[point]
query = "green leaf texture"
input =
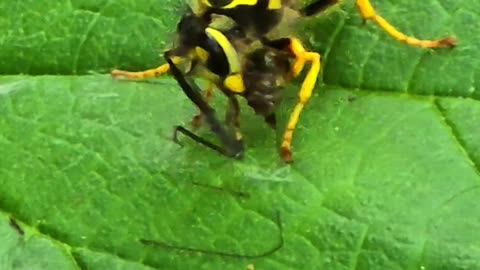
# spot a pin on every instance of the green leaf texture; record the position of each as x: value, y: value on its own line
x: 387, y: 155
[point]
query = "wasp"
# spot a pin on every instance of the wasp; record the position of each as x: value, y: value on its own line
x: 257, y: 74
x: 252, y: 73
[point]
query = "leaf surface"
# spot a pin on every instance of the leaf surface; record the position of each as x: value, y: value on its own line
x: 386, y: 152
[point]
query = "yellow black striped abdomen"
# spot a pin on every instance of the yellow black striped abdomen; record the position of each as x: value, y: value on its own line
x: 222, y: 56
x: 254, y: 16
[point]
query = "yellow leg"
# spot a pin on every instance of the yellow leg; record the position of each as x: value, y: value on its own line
x: 150, y: 73
x: 197, y: 119
x: 302, y: 56
x: 367, y: 11
x: 145, y: 74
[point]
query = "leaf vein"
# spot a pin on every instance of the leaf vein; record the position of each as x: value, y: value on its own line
x: 364, y: 63
x: 86, y: 35
x: 359, y: 248
x: 455, y: 134
x: 333, y: 39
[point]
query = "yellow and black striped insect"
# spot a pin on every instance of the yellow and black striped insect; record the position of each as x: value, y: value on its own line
x: 232, y: 69
x: 256, y: 75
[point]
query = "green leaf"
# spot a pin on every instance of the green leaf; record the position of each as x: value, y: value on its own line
x: 386, y: 172
x: 25, y: 248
